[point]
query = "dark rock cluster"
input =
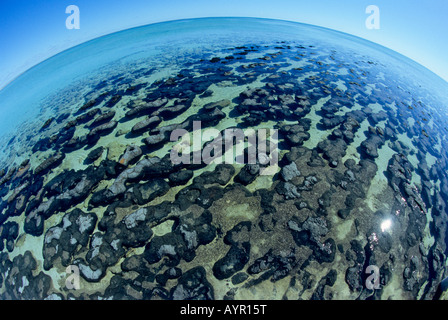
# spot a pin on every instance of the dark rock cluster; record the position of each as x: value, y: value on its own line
x: 20, y: 279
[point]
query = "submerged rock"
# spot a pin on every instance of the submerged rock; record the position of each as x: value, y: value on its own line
x: 290, y: 171
x: 219, y: 104
x: 147, y: 192
x: 102, y: 129
x: 68, y: 237
x: 95, y: 154
x: 131, y: 154
x: 237, y: 256
x: 146, y: 124
x: 49, y: 163
x: 105, y: 117
x: 247, y: 174
x: 180, y: 177
x: 371, y: 145
x: 193, y: 285
x: 333, y: 151
x: 21, y: 283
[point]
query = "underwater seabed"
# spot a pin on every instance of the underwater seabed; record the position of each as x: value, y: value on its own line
x: 361, y: 184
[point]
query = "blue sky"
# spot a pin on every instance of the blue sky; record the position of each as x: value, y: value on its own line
x: 32, y: 31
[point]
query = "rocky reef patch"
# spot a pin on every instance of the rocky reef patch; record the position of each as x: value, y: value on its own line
x: 97, y: 191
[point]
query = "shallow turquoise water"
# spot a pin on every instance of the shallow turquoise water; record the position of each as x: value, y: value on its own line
x: 28, y: 91
x: 362, y: 137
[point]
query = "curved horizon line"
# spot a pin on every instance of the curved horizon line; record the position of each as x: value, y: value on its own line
x: 218, y: 18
